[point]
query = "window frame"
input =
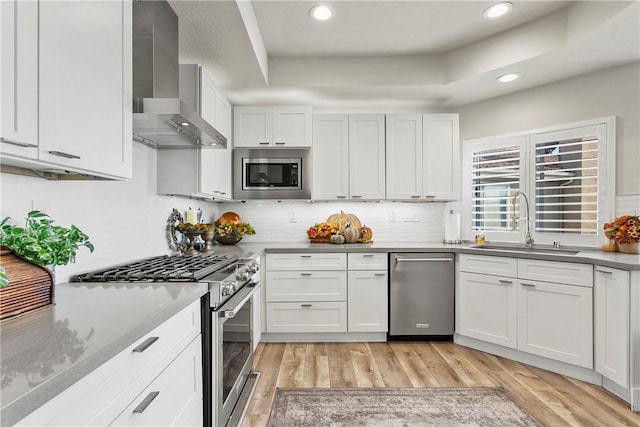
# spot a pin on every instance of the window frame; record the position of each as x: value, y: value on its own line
x: 605, y: 128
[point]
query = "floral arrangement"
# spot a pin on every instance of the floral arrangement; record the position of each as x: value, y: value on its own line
x: 321, y: 229
x: 624, y: 229
x: 188, y: 227
x: 229, y: 228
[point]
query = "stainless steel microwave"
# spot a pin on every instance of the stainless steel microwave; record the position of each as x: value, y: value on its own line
x: 271, y: 173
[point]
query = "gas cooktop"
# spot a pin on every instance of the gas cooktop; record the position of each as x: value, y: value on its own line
x: 165, y: 268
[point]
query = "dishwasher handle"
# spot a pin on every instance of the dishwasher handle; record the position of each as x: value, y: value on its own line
x: 424, y: 259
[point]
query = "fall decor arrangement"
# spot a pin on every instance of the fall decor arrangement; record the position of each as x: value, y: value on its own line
x: 625, y: 231
x: 229, y: 229
x: 340, y: 228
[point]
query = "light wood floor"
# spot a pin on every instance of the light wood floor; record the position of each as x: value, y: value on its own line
x: 554, y: 400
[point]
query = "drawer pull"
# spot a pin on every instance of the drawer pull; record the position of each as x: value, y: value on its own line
x: 305, y: 274
x: 379, y: 274
x: 529, y: 285
x: 264, y: 143
x: 63, y: 154
x: 341, y: 197
x: 18, y: 143
x: 305, y: 256
x: 356, y: 197
x: 367, y: 256
x: 507, y: 282
x: 145, y: 344
x: 146, y: 402
x: 280, y: 143
x: 305, y: 305
x: 604, y: 271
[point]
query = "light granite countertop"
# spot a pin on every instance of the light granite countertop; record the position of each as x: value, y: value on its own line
x: 595, y: 257
x: 46, y: 351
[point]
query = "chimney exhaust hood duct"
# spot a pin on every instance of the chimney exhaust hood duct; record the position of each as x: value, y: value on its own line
x: 160, y: 118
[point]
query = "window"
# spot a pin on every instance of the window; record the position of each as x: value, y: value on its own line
x: 564, y: 173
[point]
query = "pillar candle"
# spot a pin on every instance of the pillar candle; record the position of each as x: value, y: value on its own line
x: 191, y: 217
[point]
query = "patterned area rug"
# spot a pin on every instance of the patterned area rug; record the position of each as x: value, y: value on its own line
x: 395, y: 407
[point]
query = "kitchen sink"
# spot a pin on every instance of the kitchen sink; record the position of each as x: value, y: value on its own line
x: 522, y: 248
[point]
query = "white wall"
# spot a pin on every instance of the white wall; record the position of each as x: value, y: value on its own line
x: 614, y: 91
x: 125, y: 220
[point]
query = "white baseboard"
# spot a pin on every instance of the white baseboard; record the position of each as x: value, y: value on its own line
x: 325, y: 337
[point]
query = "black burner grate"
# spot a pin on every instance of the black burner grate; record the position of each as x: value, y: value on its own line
x: 176, y: 268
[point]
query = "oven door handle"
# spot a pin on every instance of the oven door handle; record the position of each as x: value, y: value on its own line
x: 237, y: 301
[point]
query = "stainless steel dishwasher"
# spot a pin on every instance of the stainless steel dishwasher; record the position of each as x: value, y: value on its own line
x: 421, y: 295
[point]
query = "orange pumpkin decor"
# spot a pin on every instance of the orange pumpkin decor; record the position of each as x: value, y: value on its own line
x: 340, y: 220
x: 232, y: 217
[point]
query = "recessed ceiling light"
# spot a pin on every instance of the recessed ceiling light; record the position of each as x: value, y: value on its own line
x: 505, y: 78
x: 497, y: 10
x: 321, y: 12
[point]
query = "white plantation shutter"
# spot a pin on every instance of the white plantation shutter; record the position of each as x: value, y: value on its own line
x: 566, y: 186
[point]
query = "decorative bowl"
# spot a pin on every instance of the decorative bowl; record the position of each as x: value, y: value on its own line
x: 228, y: 240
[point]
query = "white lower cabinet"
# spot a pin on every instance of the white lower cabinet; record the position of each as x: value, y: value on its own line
x: 156, y: 381
x: 555, y: 321
x: 318, y: 293
x: 500, y: 302
x: 487, y: 308
x: 611, y: 311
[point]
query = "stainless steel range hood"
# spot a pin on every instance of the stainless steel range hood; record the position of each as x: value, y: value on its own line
x: 160, y: 118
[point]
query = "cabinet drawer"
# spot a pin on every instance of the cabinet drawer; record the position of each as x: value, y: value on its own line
x: 377, y: 261
x: 301, y: 261
x: 171, y: 398
x: 306, y: 286
x: 496, y: 266
x: 100, y: 397
x: 556, y: 272
x: 307, y: 317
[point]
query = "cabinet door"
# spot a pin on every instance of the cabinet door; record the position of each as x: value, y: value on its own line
x: 556, y: 321
x: 367, y: 307
x: 441, y: 156
x: 306, y: 286
x: 487, y: 308
x: 253, y: 126
x: 19, y: 78
x: 366, y: 157
x: 292, y: 127
x: 611, y: 311
x: 222, y: 158
x: 330, y: 156
x: 85, y: 106
x: 404, y: 156
x: 208, y: 99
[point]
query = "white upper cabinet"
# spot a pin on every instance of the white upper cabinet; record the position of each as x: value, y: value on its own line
x: 272, y: 127
x: 19, y: 78
x: 330, y: 156
x: 85, y: 86
x: 404, y: 156
x: 66, y: 86
x: 423, y: 157
x: 366, y: 157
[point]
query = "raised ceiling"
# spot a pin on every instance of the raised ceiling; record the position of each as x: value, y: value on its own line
x: 432, y: 55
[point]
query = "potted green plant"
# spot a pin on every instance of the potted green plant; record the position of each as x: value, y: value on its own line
x: 42, y: 242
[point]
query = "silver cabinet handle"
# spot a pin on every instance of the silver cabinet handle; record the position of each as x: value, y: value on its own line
x: 305, y: 274
x: 356, y: 197
x: 145, y: 344
x: 18, y: 143
x: 280, y: 143
x: 430, y: 197
x: 424, y: 260
x: 507, y: 282
x: 379, y: 274
x: 367, y: 256
x: 305, y: 256
x: 263, y: 143
x: 305, y: 305
x: 529, y: 285
x: 415, y: 197
x: 63, y: 154
x: 604, y: 271
x: 341, y: 197
x: 146, y: 402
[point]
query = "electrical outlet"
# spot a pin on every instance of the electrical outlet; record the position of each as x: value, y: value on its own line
x: 293, y: 217
x: 40, y: 205
x: 392, y: 216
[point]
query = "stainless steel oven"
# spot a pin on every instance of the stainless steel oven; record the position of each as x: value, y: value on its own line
x: 272, y: 173
x: 233, y: 357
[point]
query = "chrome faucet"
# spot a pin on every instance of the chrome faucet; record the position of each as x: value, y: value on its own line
x: 528, y: 238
